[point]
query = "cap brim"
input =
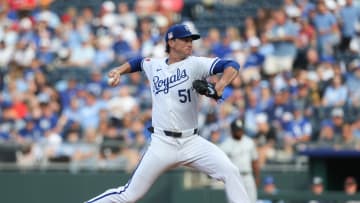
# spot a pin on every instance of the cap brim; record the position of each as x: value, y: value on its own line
x: 193, y: 36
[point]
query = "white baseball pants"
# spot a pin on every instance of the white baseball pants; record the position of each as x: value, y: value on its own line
x: 167, y: 152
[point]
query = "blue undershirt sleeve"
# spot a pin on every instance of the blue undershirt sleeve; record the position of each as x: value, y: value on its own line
x: 222, y: 64
x: 136, y: 64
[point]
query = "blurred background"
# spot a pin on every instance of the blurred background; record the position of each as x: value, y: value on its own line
x: 66, y: 136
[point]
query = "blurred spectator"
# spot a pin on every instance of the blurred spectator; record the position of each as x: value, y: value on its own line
x: 335, y: 94
x: 348, y: 141
x: 7, y: 122
x: 317, y: 189
x: 125, y: 16
x: 298, y: 130
x: 107, y: 14
x: 48, y: 118
x: 354, y: 45
x: 312, y: 59
x: 337, y: 121
x: 29, y: 133
x: 250, y: 28
x: 349, y: 16
x: 216, y: 137
x: 254, y: 61
x: 104, y: 54
x: 262, y: 16
x: 266, y: 48
x: 122, y: 48
x: 252, y: 108
x: 82, y: 56
x: 307, y: 35
x: 234, y: 37
x: 121, y: 103
x: 86, y: 150
x: 356, y: 127
x: 282, y: 104
x: 317, y: 186
x: 326, y: 28
x: 146, y: 37
x: 89, y: 111
x: 265, y: 139
x: 353, y: 85
x: 282, y: 35
x: 350, y: 188
x: 269, y: 187
x: 222, y: 49
x: 350, y: 185
x: 302, y: 99
x: 25, y: 52
x: 266, y: 97
x: 326, y: 137
x: 6, y: 52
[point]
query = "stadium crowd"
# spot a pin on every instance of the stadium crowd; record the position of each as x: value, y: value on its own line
x: 293, y: 91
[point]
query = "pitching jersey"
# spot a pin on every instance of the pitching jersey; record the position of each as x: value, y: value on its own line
x: 173, y: 99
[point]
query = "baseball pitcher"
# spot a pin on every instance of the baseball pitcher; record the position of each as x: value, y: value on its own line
x: 176, y: 82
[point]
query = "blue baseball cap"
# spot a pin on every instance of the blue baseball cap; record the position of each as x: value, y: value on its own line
x: 269, y: 180
x: 180, y: 31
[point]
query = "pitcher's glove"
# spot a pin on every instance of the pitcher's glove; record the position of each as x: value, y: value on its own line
x: 206, y: 88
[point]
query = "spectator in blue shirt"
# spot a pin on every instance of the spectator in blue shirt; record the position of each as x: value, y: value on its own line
x: 335, y: 94
x: 252, y: 109
x: 337, y: 121
x: 104, y: 54
x: 269, y: 187
x: 326, y: 28
x: 254, y: 61
x: 326, y: 136
x: 90, y: 111
x: 299, y: 128
x: 349, y: 15
x: 306, y: 7
x: 30, y: 132
x: 356, y: 127
x: 266, y: 97
x: 48, y: 119
x: 222, y: 49
x: 282, y: 103
x: 7, y: 122
x: 122, y: 49
x: 353, y: 85
x: 282, y: 35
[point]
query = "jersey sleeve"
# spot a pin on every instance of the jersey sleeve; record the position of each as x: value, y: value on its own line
x: 136, y: 64
x: 204, y: 66
x: 146, y: 65
x: 211, y: 66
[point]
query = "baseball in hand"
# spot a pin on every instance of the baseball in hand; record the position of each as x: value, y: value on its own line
x: 111, y: 80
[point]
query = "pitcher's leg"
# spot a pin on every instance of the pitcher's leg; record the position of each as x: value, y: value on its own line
x: 208, y: 158
x: 154, y: 162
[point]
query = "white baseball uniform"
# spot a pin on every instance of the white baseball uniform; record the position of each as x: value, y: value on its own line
x: 242, y: 152
x: 175, y: 109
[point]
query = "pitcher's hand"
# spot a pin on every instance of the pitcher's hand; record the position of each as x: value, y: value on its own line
x: 114, y: 77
